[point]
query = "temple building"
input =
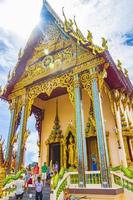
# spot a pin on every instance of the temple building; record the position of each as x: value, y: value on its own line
x: 82, y: 100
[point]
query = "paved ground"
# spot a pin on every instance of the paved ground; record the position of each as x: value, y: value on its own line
x: 30, y: 194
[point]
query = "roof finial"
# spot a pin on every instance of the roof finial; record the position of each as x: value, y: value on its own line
x: 104, y: 43
x: 89, y: 37
x: 119, y: 65
x: 68, y: 24
x: 126, y: 72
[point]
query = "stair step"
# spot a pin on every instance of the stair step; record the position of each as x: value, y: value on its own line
x: 31, y: 190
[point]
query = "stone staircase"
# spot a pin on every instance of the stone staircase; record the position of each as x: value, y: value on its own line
x: 30, y: 194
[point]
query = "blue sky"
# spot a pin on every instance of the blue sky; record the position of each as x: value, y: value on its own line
x: 111, y: 19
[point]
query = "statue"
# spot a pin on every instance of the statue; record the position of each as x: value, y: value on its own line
x: 71, y: 152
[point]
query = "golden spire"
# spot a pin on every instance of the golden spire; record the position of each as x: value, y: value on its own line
x: 56, y: 128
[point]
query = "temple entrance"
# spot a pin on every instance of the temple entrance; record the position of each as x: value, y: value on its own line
x: 54, y: 153
x: 92, y: 151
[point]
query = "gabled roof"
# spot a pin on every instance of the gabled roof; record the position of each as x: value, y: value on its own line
x: 115, y: 79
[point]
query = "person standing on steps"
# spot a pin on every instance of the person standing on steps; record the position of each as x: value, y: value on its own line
x: 39, y: 188
x: 44, y: 173
x: 36, y: 171
x: 56, y: 167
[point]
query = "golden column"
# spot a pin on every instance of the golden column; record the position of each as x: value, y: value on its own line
x: 122, y: 153
x: 11, y: 134
x: 22, y: 133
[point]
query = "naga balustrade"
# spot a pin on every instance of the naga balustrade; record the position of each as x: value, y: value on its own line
x: 93, y: 179
x: 121, y: 180
x: 71, y: 180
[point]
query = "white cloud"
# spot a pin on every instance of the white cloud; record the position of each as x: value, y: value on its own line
x: 31, y: 144
x: 9, y: 47
x: 20, y: 16
x: 4, y: 119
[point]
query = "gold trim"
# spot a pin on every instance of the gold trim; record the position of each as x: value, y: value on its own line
x: 48, y: 86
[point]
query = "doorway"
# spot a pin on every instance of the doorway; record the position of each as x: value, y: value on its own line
x: 92, y: 151
x: 54, y: 153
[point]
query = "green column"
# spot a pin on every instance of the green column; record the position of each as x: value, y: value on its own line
x: 11, y: 134
x: 81, y: 145
x: 101, y: 139
x: 21, y: 145
x: 84, y: 137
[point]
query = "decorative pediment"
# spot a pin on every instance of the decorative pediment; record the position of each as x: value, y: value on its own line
x: 67, y: 57
x: 56, y: 51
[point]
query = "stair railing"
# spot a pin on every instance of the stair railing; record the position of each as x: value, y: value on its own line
x: 121, y: 180
x: 71, y: 180
x: 93, y: 178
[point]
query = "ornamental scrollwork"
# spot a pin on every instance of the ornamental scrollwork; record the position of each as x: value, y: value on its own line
x: 47, y: 87
x: 124, y: 99
x: 110, y: 96
x: 102, y: 75
x: 72, y: 29
x: 87, y: 83
x: 47, y: 65
x: 14, y: 139
x: 19, y: 104
x: 117, y: 97
x: 12, y: 104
